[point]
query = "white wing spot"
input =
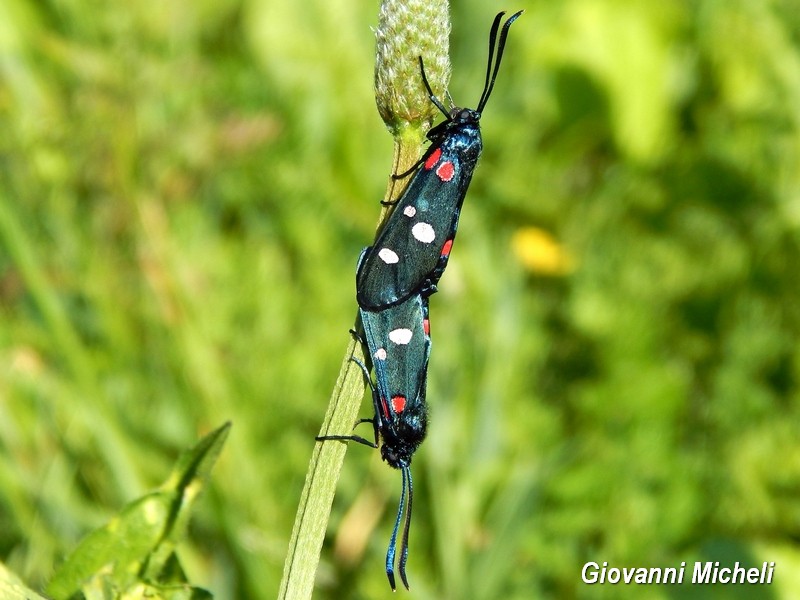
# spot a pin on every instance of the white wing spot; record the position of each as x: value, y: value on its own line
x: 423, y: 232
x: 380, y: 354
x: 400, y: 336
x: 388, y: 256
x: 409, y: 211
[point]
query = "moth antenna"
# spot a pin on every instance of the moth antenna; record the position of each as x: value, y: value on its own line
x: 501, y: 44
x: 393, y: 540
x: 406, y: 527
x: 431, y: 95
x: 492, y: 40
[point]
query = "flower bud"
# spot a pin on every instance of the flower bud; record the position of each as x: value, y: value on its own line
x: 408, y: 29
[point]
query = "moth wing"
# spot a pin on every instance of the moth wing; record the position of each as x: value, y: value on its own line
x: 411, y: 251
x: 399, y: 346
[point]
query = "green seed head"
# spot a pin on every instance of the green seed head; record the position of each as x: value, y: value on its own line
x: 408, y: 29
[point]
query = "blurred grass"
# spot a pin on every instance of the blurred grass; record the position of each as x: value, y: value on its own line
x: 184, y: 190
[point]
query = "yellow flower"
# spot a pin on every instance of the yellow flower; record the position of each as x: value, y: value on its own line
x: 540, y: 253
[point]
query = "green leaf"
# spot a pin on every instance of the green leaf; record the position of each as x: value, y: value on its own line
x: 144, y: 591
x: 135, y: 547
x: 12, y: 588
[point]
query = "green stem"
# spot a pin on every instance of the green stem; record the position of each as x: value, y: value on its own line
x: 321, y: 478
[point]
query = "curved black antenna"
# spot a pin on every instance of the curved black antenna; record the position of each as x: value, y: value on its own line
x: 393, y: 541
x: 404, y: 544
x: 492, y: 40
x: 431, y: 95
x: 501, y: 44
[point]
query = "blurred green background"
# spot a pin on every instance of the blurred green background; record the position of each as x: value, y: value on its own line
x: 184, y: 190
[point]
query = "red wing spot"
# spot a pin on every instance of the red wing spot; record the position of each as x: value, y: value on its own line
x: 398, y: 404
x: 446, y: 248
x: 433, y: 159
x: 446, y: 171
x: 426, y: 326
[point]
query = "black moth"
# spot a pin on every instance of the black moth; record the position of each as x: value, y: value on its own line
x: 399, y: 346
x: 411, y: 251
